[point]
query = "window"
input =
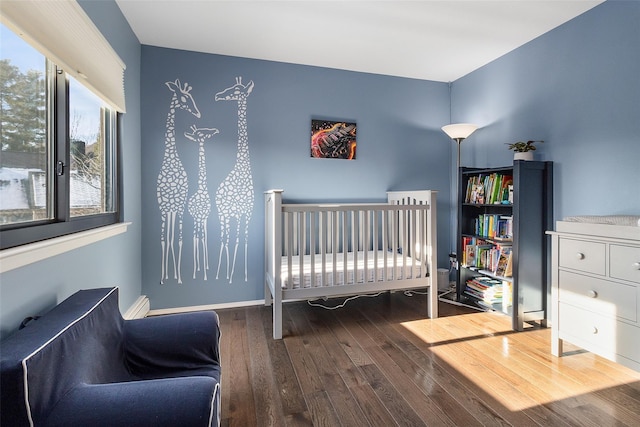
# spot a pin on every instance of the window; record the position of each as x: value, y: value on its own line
x: 58, y: 149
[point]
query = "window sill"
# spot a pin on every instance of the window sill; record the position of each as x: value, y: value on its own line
x: 27, y: 254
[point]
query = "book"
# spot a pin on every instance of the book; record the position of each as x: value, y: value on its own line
x: 504, y: 265
x: 496, y: 190
x: 470, y: 255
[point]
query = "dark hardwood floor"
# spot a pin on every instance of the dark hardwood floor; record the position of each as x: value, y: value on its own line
x: 380, y: 362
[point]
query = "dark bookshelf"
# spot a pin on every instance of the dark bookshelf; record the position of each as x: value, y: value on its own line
x: 524, y: 293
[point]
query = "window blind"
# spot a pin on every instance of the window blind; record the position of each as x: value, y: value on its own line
x: 63, y: 32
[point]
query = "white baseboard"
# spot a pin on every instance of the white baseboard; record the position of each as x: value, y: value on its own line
x: 139, y: 309
x: 175, y: 310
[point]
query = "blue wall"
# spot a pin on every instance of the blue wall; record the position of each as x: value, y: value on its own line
x: 36, y: 288
x: 399, y: 147
x: 578, y: 89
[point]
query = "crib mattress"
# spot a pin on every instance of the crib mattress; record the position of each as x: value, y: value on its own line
x: 405, y: 268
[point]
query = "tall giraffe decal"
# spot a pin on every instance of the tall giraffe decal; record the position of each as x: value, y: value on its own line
x: 234, y: 198
x: 172, y: 181
x: 199, y: 204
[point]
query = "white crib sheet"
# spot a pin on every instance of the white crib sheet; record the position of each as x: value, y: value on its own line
x: 409, y: 270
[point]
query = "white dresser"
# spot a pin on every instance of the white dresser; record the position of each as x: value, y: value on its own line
x: 596, y: 290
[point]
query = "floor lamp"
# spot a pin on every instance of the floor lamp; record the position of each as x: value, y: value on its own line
x: 458, y: 132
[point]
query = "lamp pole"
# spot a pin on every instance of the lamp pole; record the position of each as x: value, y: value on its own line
x: 458, y: 132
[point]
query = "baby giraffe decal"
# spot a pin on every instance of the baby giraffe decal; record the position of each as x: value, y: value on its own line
x: 199, y: 205
x: 234, y: 198
x: 172, y: 186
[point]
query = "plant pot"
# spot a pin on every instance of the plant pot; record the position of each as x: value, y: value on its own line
x: 527, y: 155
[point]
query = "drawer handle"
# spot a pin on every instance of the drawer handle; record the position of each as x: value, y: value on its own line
x: 579, y: 255
x: 592, y: 294
x: 636, y: 265
x: 595, y: 330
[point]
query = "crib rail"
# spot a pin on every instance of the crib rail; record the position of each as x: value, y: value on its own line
x: 400, y: 228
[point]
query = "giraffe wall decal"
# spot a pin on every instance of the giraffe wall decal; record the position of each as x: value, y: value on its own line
x: 172, y: 184
x: 234, y: 197
x: 199, y: 204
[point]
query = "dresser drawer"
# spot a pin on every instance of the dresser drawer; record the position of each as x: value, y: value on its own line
x: 625, y: 262
x: 599, y: 334
x: 598, y: 295
x: 584, y: 256
x: 588, y: 330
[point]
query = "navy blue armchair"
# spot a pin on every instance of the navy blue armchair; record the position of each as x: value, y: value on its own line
x: 82, y: 364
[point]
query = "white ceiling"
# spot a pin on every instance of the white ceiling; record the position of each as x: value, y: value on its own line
x: 432, y: 40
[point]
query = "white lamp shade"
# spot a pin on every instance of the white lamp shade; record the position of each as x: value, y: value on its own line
x: 459, y: 130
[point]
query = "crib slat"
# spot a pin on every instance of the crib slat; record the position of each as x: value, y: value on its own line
x: 414, y: 249
x: 345, y: 246
x: 301, y: 246
x: 289, y: 246
x: 375, y: 247
x: 294, y: 230
x: 385, y: 243
x: 365, y: 249
x: 396, y: 231
x: 355, y: 242
x: 312, y: 247
x: 323, y: 248
x: 334, y: 244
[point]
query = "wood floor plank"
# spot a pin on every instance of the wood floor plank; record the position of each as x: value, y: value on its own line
x: 335, y: 388
x: 225, y: 317
x: 467, y: 398
x: 349, y: 345
x: 548, y: 392
x: 375, y: 411
x: 381, y: 362
x: 294, y: 406
x: 303, y: 364
x: 400, y: 410
x: 445, y: 367
x: 322, y: 412
x: 589, y: 386
x: 242, y: 411
x: 269, y: 407
x: 453, y: 341
x: 508, y: 383
x: 417, y: 396
x: 444, y: 402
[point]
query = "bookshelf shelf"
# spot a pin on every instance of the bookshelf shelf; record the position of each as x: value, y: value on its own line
x: 502, y: 248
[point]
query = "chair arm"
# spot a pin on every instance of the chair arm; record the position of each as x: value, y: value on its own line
x: 161, y: 344
x: 188, y: 402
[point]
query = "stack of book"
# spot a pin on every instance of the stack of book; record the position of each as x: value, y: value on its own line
x: 487, y: 255
x: 494, y: 226
x: 485, y: 290
x: 488, y: 189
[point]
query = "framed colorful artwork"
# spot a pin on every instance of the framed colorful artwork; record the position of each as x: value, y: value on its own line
x: 333, y: 139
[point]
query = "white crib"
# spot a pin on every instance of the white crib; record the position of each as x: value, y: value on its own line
x: 329, y: 250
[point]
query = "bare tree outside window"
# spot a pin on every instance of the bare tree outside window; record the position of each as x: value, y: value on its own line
x: 87, y: 139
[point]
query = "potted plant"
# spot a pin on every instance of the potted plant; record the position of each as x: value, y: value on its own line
x: 523, y: 149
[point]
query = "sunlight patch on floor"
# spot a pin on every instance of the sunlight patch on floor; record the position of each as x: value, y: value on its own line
x: 516, y: 370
